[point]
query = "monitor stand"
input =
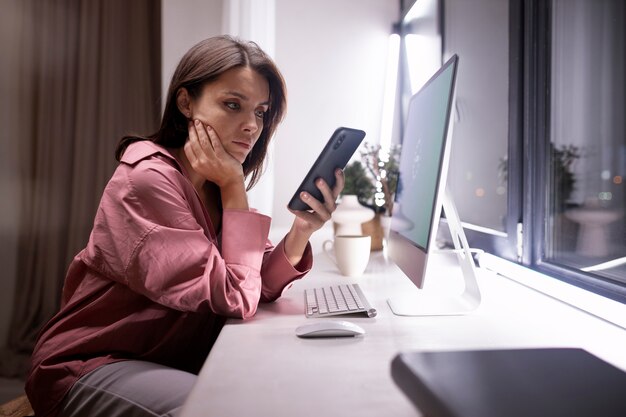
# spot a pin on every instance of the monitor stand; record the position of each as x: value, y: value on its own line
x: 424, y: 303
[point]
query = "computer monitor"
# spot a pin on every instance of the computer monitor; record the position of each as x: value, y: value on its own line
x: 420, y: 197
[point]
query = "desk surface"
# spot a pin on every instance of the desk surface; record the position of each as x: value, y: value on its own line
x: 259, y: 367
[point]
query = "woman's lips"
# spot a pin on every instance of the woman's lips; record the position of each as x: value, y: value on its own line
x: 244, y: 145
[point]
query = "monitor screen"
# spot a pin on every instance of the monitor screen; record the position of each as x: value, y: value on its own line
x: 422, y: 157
x: 423, y: 167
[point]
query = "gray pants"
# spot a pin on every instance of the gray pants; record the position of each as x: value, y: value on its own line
x: 129, y: 389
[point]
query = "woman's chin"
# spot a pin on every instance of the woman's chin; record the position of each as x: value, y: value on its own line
x: 239, y: 156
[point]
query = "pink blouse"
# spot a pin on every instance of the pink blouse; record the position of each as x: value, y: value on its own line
x: 155, y: 282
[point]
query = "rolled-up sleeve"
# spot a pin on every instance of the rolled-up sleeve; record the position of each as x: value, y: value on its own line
x: 166, y: 255
x: 278, y: 273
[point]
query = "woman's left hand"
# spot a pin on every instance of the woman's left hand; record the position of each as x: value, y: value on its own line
x: 309, y: 221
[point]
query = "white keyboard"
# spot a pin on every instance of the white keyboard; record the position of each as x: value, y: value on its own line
x: 336, y: 299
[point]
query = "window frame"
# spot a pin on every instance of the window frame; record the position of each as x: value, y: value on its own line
x: 536, y: 139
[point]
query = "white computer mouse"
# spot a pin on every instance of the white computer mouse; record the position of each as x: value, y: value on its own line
x: 329, y: 328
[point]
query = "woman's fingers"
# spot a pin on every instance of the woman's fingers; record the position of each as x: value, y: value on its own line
x: 309, y: 217
x: 320, y: 213
x: 209, y: 141
x: 192, y: 146
x: 204, y: 139
x: 214, y: 140
x: 318, y: 207
x: 198, y: 148
x: 327, y: 193
x: 340, y: 181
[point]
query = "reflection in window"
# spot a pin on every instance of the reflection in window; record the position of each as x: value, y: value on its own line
x: 478, y: 31
x: 586, y: 195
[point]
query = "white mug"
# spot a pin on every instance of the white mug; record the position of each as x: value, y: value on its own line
x: 351, y: 253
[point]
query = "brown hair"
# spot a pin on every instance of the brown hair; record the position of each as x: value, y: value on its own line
x: 202, y: 64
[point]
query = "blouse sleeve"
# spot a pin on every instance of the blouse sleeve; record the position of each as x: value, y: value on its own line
x: 278, y: 273
x: 147, y: 237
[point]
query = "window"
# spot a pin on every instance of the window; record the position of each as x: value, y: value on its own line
x: 479, y: 165
x: 584, y: 235
x: 538, y: 163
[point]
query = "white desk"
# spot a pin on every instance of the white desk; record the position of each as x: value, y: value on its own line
x: 260, y: 368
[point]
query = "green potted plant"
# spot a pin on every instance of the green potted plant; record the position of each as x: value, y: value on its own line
x: 358, y: 183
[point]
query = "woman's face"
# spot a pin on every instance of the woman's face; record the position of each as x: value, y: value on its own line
x: 234, y: 105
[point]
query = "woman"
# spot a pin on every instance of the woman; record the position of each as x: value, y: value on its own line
x: 175, y: 248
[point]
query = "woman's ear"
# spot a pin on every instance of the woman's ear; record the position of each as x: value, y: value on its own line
x: 183, y: 102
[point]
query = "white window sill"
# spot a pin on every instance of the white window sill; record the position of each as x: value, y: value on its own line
x: 597, y: 305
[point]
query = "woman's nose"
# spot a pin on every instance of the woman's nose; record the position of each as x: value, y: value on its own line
x: 250, y: 123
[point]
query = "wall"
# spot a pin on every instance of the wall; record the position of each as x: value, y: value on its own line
x: 185, y: 23
x: 333, y: 56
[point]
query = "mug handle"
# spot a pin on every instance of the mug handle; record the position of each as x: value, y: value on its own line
x: 327, y: 250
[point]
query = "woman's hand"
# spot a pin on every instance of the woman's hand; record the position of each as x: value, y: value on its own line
x: 209, y: 159
x: 312, y: 220
x: 307, y: 222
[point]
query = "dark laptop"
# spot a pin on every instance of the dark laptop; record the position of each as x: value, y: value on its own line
x: 560, y: 382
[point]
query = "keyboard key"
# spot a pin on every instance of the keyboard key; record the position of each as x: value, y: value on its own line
x: 320, y: 300
x: 341, y: 302
x: 347, y: 295
x: 357, y: 298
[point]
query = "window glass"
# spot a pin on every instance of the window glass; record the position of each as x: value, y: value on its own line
x: 478, y: 31
x: 586, y: 198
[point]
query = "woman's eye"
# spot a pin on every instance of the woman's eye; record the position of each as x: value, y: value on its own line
x: 260, y: 113
x: 231, y: 105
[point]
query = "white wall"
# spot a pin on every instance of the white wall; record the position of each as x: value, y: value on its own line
x: 333, y: 56
x: 185, y: 23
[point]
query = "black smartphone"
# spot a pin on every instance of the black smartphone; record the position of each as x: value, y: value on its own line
x: 336, y: 154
